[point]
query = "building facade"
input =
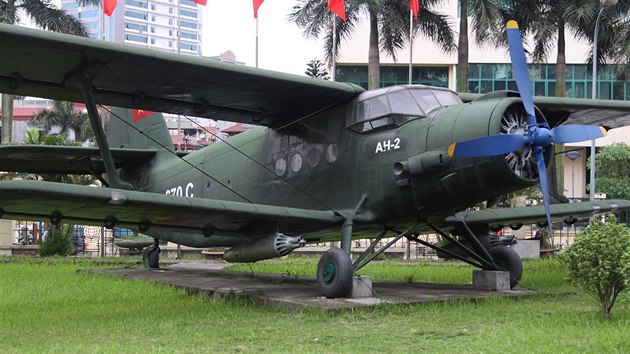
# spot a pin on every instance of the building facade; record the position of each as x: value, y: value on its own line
x: 169, y: 25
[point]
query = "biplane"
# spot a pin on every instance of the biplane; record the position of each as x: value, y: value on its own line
x: 328, y: 159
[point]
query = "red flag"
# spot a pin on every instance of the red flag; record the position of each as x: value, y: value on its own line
x: 139, y: 114
x: 338, y: 7
x: 257, y: 4
x: 109, y: 6
x: 415, y: 7
x: 201, y: 2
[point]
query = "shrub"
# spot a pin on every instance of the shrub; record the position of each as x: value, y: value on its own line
x: 595, y: 262
x: 58, y: 243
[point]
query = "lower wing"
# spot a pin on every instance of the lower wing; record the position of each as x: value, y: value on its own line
x: 529, y: 215
x: 146, y: 212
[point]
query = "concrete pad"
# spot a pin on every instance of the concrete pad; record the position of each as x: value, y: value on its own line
x: 491, y: 280
x: 296, y: 292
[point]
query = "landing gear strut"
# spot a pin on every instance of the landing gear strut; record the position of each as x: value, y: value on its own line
x: 151, y: 256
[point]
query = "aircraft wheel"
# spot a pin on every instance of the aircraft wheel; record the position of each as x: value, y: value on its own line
x: 334, y: 273
x: 507, y: 259
x: 151, y: 257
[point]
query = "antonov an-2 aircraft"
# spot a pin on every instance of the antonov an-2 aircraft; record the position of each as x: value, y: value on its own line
x: 328, y: 155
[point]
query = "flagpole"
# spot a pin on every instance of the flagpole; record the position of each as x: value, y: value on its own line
x: 410, y: 44
x: 334, y: 48
x: 256, y: 41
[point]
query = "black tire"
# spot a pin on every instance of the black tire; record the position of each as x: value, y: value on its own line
x: 507, y: 259
x: 151, y: 257
x: 334, y: 273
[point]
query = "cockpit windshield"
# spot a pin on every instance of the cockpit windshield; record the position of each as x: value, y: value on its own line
x: 392, y: 106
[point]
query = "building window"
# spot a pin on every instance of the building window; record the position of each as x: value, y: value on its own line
x: 395, y: 75
x: 170, y: 10
x: 136, y: 38
x: 188, y: 24
x: 152, y: 18
x: 152, y: 40
x: 188, y: 13
x: 170, y: 44
x: 188, y: 3
x: 188, y: 35
x: 136, y: 15
x: 170, y: 33
x: 170, y: 21
x: 138, y: 27
x: 187, y: 46
x: 136, y: 3
x: 484, y: 78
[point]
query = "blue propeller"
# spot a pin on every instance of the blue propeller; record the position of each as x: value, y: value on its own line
x: 538, y: 136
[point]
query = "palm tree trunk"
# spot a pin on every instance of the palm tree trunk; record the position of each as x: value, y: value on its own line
x: 462, y: 49
x: 7, y: 119
x: 374, y: 66
x: 561, y: 64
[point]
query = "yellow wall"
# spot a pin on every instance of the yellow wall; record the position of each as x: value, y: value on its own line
x: 6, y: 233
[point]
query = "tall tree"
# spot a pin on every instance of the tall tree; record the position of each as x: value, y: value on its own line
x: 48, y: 17
x: 484, y: 16
x: 64, y: 116
x: 549, y: 21
x: 316, y: 69
x: 388, y: 23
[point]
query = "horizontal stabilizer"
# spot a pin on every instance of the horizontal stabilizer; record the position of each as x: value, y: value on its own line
x: 46, y: 159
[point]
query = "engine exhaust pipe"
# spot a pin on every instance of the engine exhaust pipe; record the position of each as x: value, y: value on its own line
x: 264, y: 248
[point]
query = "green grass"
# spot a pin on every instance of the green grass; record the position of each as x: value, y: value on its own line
x: 46, y: 306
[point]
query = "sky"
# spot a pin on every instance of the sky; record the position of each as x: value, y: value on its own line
x: 230, y: 25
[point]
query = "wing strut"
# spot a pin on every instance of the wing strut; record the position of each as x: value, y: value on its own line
x: 82, y: 82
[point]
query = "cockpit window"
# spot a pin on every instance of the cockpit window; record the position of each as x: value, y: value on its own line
x: 426, y: 99
x: 403, y: 103
x: 393, y: 106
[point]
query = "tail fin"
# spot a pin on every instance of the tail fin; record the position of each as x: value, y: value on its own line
x: 137, y: 129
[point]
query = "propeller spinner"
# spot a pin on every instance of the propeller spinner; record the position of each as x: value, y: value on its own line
x: 538, y: 135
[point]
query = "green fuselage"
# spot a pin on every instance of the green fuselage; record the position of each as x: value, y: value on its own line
x: 328, y: 162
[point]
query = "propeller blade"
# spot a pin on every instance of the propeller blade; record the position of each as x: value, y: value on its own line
x: 574, y: 133
x: 488, y: 145
x: 544, y: 186
x: 519, y: 70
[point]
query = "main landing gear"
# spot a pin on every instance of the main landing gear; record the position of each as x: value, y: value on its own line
x: 334, y: 273
x: 479, y: 248
x: 151, y: 255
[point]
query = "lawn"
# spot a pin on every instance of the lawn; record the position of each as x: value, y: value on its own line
x: 47, y: 306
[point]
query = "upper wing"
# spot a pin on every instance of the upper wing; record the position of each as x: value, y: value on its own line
x: 44, y: 159
x: 45, y: 64
x: 534, y: 214
x: 561, y: 110
x: 83, y: 205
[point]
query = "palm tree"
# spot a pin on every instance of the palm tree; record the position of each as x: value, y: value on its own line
x: 389, y: 24
x: 548, y: 21
x: 64, y: 116
x: 45, y: 15
x: 484, y: 15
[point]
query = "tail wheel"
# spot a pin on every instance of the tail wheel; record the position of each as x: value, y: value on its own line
x: 507, y: 259
x: 334, y: 273
x: 151, y: 257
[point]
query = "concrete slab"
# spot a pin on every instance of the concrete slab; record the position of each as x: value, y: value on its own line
x: 209, y: 279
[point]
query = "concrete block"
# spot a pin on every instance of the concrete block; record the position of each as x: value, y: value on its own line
x: 361, y: 287
x: 491, y: 280
x: 527, y: 248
